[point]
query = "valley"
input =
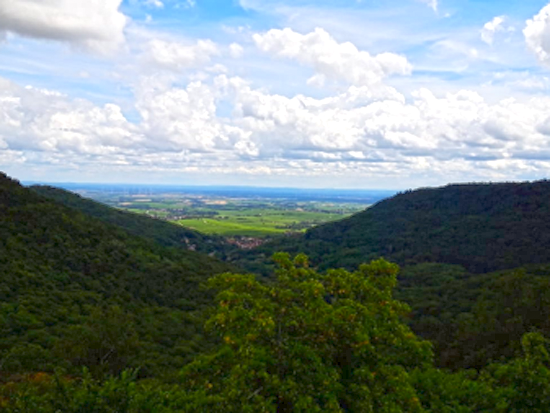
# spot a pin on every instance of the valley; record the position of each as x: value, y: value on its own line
x: 274, y: 206
x: 236, y: 212
x: 113, y: 302
x: 239, y: 217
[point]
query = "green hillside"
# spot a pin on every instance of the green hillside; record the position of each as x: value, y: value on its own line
x: 483, y: 227
x: 93, y: 319
x: 162, y: 232
x: 474, y: 263
x: 474, y: 319
x: 75, y: 291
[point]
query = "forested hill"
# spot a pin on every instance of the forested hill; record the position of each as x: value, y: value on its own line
x: 82, y: 301
x: 75, y: 291
x: 164, y: 233
x: 483, y: 227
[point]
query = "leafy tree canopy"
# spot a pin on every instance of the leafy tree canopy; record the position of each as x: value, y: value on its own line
x: 164, y: 233
x: 76, y: 291
x: 308, y: 343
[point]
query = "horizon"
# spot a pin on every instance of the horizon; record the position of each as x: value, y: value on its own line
x: 181, y: 186
x: 82, y: 185
x: 273, y: 93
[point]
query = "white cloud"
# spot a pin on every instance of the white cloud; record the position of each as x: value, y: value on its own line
x: 94, y: 25
x: 450, y: 49
x: 537, y: 35
x: 192, y: 114
x: 523, y: 80
x: 177, y: 119
x: 355, y: 132
x: 236, y: 51
x: 332, y: 60
x: 491, y: 28
x: 178, y: 56
x: 352, y: 127
x: 201, y: 121
x: 433, y: 4
x: 154, y: 3
x: 544, y: 127
x: 47, y: 121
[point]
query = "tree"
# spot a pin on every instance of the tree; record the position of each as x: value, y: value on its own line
x: 308, y: 342
x: 524, y: 383
x: 104, y: 344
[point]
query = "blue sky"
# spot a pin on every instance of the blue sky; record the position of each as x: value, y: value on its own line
x: 345, y: 94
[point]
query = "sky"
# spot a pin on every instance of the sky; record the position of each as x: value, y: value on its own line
x: 374, y: 94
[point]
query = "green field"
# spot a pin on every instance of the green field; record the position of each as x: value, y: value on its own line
x: 259, y: 222
x: 234, y: 217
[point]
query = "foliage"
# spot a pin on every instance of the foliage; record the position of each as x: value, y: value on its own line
x: 309, y: 342
x: 76, y: 292
x: 460, y: 392
x: 79, y: 294
x: 520, y: 385
x: 524, y: 383
x: 162, y: 232
x: 48, y: 393
x: 475, y: 319
x: 449, y: 240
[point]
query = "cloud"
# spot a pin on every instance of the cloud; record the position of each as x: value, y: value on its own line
x: 353, y: 133
x: 331, y: 60
x: 537, y: 35
x: 179, y: 119
x: 355, y: 127
x: 544, y: 127
x: 236, y: 51
x: 522, y: 80
x: 93, y: 25
x: 178, y: 56
x: 154, y: 3
x: 491, y: 28
x: 433, y: 4
x: 450, y: 49
x: 176, y: 105
x: 41, y: 120
x: 209, y: 121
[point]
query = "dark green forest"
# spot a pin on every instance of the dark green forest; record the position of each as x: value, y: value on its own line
x: 436, y: 300
x: 75, y: 291
x: 159, y: 231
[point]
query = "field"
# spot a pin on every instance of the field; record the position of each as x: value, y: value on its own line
x: 259, y: 222
x: 237, y: 212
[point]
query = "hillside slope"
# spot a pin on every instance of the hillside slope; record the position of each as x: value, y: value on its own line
x: 75, y: 291
x: 483, y: 227
x: 473, y: 319
x: 164, y: 233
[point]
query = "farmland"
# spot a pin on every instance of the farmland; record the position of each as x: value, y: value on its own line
x: 260, y: 222
x: 236, y: 213
x: 240, y: 217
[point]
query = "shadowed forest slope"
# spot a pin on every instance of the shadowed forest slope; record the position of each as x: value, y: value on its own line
x: 162, y: 232
x: 75, y: 291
